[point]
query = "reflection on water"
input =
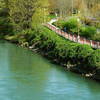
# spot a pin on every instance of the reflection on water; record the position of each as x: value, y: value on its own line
x: 28, y: 76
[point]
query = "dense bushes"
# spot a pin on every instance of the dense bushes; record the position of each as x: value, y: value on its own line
x: 5, y: 25
x: 97, y: 37
x: 75, y: 26
x: 72, y: 25
x: 94, y: 59
x: 65, y: 51
x: 60, y: 50
x: 88, y: 32
x: 59, y: 24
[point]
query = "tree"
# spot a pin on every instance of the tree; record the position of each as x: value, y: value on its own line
x: 21, y: 12
x: 93, y: 7
x: 5, y: 24
x: 41, y: 13
x: 63, y: 7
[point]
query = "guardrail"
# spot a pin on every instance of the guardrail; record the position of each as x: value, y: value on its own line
x: 73, y: 37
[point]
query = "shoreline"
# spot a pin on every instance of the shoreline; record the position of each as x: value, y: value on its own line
x: 71, y: 68
x: 48, y: 51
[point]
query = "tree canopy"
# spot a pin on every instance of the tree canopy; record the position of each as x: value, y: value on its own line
x: 25, y: 14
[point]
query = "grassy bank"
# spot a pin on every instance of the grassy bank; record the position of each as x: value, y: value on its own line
x: 75, y: 57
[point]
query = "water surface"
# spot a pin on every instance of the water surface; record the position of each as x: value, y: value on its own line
x: 28, y: 76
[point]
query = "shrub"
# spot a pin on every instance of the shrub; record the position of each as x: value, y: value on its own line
x: 88, y: 31
x: 66, y: 51
x: 72, y: 25
x: 94, y: 59
x: 4, y: 12
x: 83, y: 51
x: 96, y: 37
x: 5, y: 25
x: 60, y: 24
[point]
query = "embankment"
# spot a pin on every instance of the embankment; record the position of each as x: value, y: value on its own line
x: 75, y: 57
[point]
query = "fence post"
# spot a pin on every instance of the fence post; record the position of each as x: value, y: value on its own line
x: 84, y: 40
x: 73, y: 38
x: 55, y: 29
x: 69, y: 36
x: 78, y: 38
x: 90, y: 42
x: 98, y: 45
x: 49, y: 26
x: 60, y: 32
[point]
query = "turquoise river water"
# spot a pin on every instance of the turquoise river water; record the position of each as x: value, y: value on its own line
x: 25, y: 75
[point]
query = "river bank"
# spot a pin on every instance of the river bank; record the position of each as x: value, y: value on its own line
x: 75, y: 57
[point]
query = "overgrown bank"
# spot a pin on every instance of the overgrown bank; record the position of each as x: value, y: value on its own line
x: 75, y: 57
x: 20, y: 22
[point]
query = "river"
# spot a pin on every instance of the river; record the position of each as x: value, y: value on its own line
x: 25, y: 75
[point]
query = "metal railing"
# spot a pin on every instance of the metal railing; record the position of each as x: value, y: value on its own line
x: 73, y: 37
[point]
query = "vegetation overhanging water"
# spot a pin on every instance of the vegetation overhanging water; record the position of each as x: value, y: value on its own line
x: 75, y: 57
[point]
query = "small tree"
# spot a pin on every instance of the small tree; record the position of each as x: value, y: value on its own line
x: 41, y: 13
x: 21, y: 12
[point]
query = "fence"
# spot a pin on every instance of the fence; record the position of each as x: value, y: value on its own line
x: 73, y: 37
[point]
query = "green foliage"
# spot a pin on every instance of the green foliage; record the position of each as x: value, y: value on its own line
x: 25, y: 14
x: 60, y: 24
x: 72, y: 25
x: 94, y: 59
x: 97, y: 24
x: 75, y: 26
x: 5, y: 25
x: 64, y: 51
x: 51, y: 16
x: 88, y: 31
x: 21, y: 12
x: 96, y: 37
x: 4, y: 12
